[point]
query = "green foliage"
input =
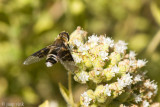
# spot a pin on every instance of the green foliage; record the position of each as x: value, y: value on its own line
x: 29, y: 25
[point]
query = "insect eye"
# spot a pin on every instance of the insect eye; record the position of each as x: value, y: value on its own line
x: 64, y: 35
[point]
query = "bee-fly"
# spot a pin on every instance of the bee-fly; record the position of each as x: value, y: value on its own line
x: 58, y: 51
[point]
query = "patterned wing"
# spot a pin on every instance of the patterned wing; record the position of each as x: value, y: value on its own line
x: 64, y: 54
x: 66, y: 59
x: 37, y: 56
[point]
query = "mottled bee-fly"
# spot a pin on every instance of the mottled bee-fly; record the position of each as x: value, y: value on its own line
x: 59, y: 50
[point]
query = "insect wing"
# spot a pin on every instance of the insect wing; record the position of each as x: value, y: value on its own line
x: 69, y: 65
x: 66, y: 59
x: 37, y: 56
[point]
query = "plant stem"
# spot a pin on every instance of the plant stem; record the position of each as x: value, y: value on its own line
x: 70, y: 87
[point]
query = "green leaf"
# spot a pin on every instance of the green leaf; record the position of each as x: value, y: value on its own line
x: 65, y: 93
x: 44, y: 104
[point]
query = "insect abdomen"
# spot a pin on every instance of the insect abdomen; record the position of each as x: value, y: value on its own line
x: 51, y: 59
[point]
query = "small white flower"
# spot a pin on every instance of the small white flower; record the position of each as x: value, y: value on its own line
x: 86, y: 99
x: 141, y: 63
x: 83, y: 77
x: 93, y: 40
x: 154, y: 86
x: 107, y: 90
x: 132, y: 63
x: 138, y: 98
x: 120, y: 46
x: 147, y: 83
x: 132, y: 55
x: 121, y: 83
x: 151, y: 85
x: 115, y: 69
x: 97, y: 72
x: 112, y: 74
x: 103, y: 55
x: 77, y: 42
x: 155, y: 91
x: 145, y: 103
x: 83, y: 49
x: 149, y: 94
x: 127, y: 79
x: 138, y: 78
x: 76, y: 58
x: 108, y: 41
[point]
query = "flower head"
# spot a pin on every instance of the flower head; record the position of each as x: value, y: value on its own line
x: 138, y: 78
x: 132, y: 55
x: 93, y: 40
x: 141, y: 63
x: 77, y: 42
x: 83, y: 76
x: 107, y: 90
x: 138, y: 98
x: 115, y: 69
x: 77, y: 59
x: 106, y: 40
x: 86, y: 99
x: 120, y: 46
x: 146, y: 103
x: 110, y: 71
x: 103, y: 55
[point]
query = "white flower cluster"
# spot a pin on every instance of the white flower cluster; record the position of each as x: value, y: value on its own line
x: 137, y: 78
x: 86, y: 99
x: 107, y: 90
x: 138, y: 98
x: 145, y: 103
x: 125, y: 80
x: 141, y: 63
x: 106, y: 65
x: 83, y: 77
x: 151, y: 85
x: 103, y: 55
x: 115, y: 69
x: 120, y: 46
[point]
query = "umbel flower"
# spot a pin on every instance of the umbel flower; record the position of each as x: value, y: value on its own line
x: 111, y: 71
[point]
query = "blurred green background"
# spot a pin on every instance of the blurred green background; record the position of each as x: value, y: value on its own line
x: 29, y: 25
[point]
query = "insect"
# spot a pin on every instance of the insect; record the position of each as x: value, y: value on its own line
x: 58, y: 51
